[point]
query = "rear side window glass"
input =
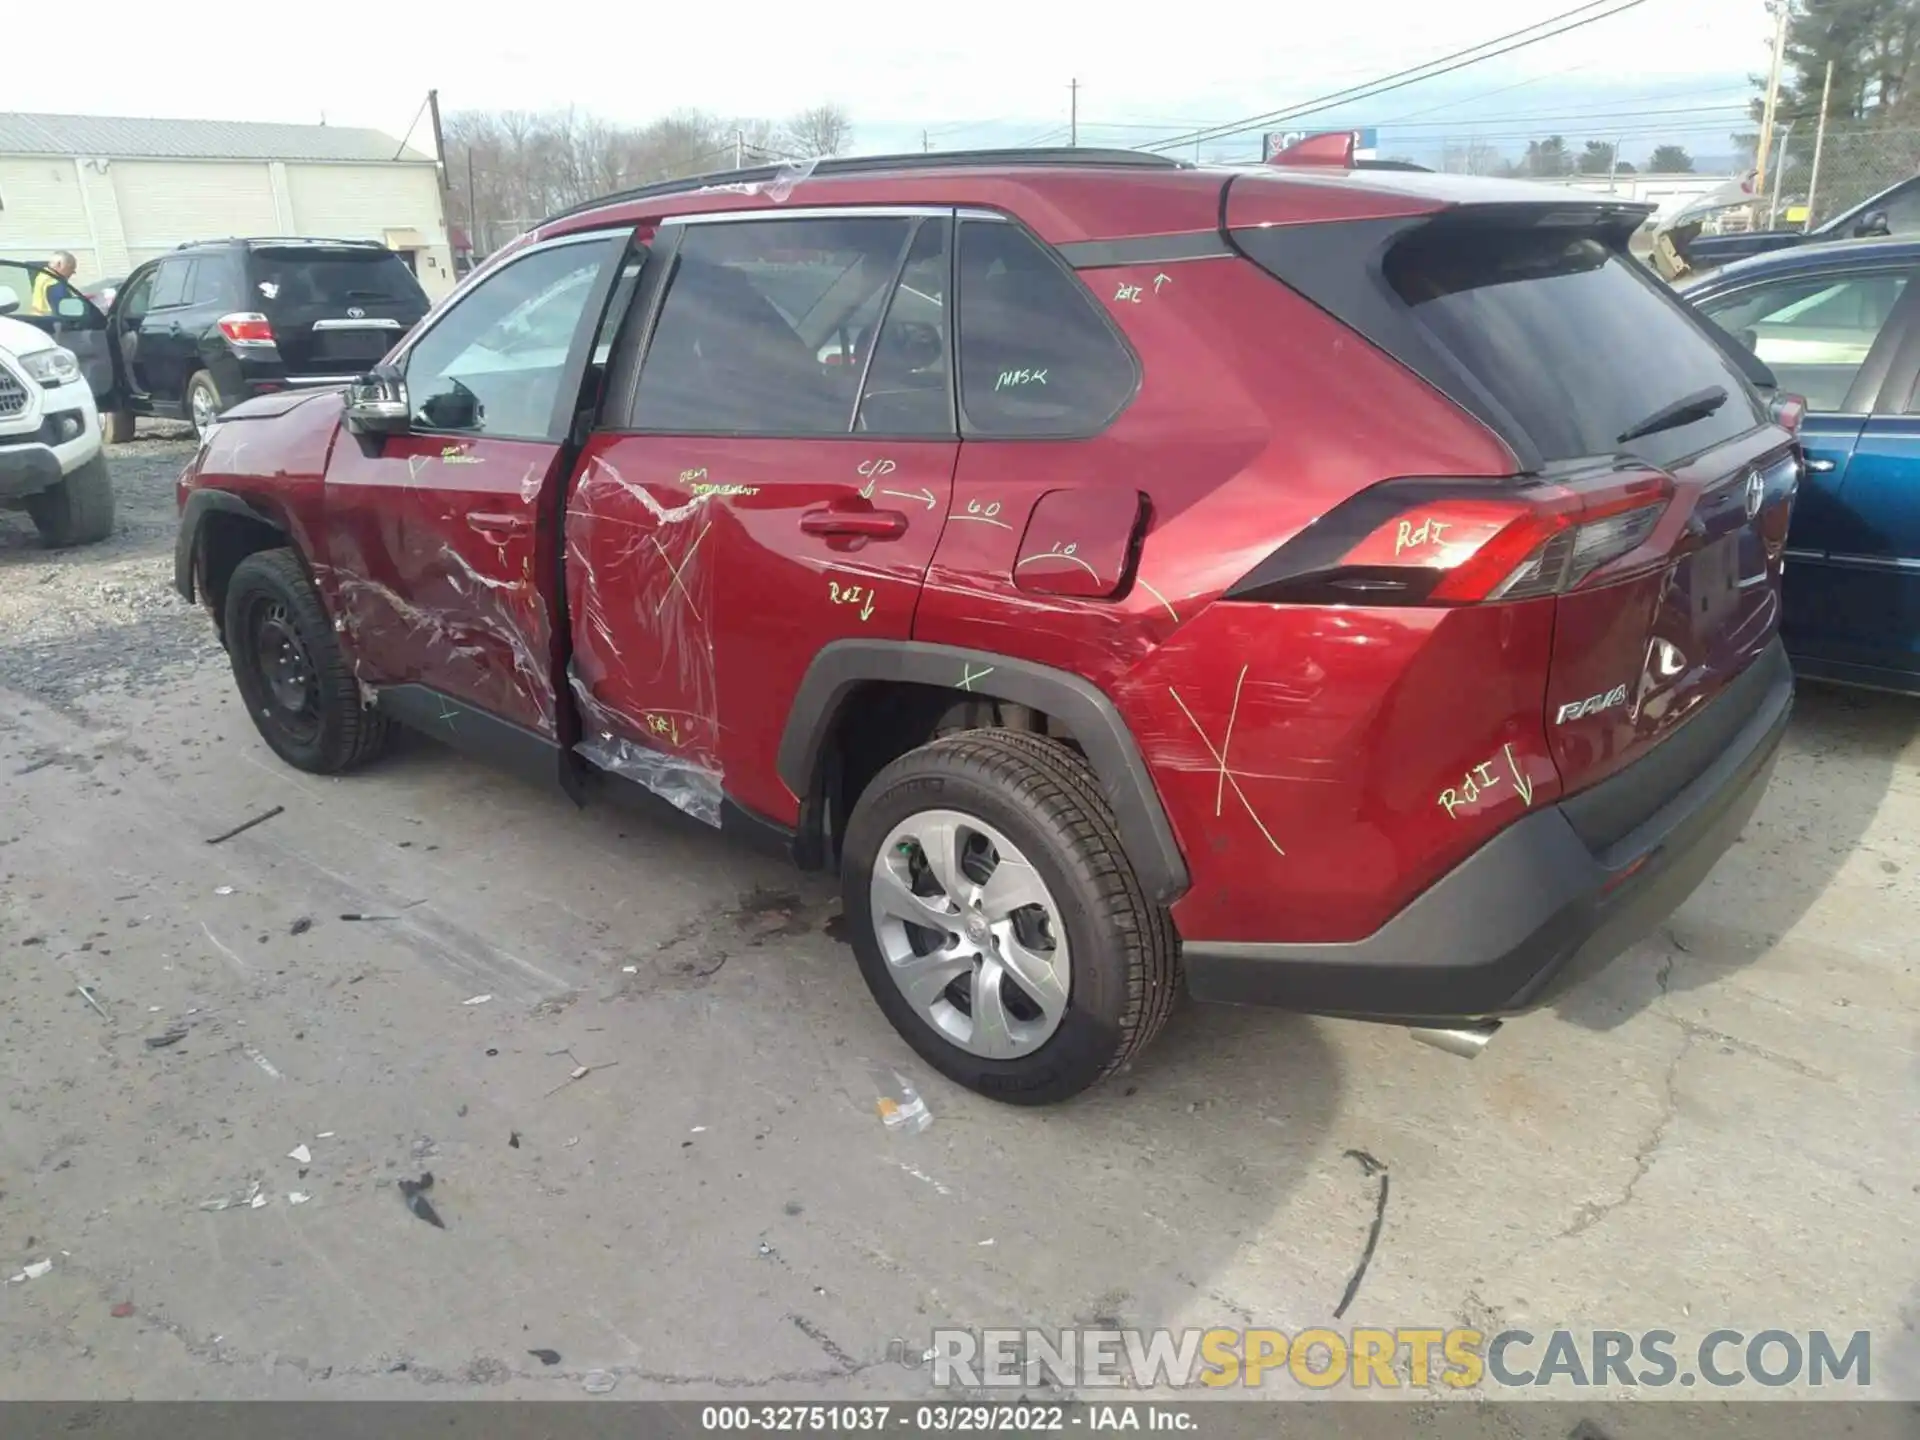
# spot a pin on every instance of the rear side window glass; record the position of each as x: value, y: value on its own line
x: 1037, y: 356
x: 1813, y: 331
x: 1574, y: 346
x: 212, y: 284
x: 372, y: 279
x: 761, y: 329
x: 170, y: 284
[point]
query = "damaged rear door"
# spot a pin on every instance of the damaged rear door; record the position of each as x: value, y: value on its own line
x: 437, y: 563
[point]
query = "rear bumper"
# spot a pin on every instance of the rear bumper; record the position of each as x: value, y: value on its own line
x: 1531, y: 912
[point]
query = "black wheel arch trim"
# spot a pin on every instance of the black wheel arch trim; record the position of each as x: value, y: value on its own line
x: 186, y: 545
x: 1087, y: 713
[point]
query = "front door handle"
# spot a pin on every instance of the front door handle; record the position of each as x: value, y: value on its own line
x: 872, y: 524
x: 1820, y: 467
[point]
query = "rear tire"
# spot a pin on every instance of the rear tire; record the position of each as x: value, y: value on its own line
x: 77, y: 511
x: 119, y: 426
x: 1110, y: 970
x: 295, y: 682
x: 201, y: 401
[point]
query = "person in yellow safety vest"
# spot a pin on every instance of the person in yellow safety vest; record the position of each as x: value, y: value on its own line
x: 50, y: 287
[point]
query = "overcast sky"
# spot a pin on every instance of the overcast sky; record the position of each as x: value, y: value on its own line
x: 977, y: 72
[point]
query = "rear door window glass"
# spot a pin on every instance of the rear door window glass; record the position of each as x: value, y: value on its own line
x: 1813, y: 331
x: 762, y: 328
x: 170, y: 285
x: 908, y: 392
x: 1573, y: 345
x: 1037, y: 355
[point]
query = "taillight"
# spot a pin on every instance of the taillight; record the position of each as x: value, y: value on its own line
x: 1788, y: 412
x: 1438, y: 542
x: 246, y: 328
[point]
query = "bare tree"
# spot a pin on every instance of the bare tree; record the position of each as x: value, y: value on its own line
x: 820, y: 130
x: 508, y: 169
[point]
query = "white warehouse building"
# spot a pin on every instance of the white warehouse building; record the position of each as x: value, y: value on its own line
x: 118, y: 192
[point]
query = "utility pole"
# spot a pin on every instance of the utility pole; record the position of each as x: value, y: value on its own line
x: 926, y: 142
x: 1613, y: 168
x: 1782, y: 10
x: 1073, y: 112
x: 1819, y: 144
x: 473, y: 208
x: 439, y: 140
x: 1779, y: 175
x: 739, y: 149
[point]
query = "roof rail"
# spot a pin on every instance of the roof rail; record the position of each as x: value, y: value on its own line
x: 876, y: 164
x: 273, y: 240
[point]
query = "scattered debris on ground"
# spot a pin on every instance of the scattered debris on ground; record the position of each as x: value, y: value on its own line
x: 247, y: 825
x: 166, y: 1038
x: 413, y: 1192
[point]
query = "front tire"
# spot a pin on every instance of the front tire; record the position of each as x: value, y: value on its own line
x: 290, y: 671
x: 997, y: 920
x: 77, y: 511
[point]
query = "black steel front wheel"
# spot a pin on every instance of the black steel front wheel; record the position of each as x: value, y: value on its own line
x: 295, y: 681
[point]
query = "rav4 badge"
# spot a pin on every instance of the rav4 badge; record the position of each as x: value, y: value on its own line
x: 1592, y: 705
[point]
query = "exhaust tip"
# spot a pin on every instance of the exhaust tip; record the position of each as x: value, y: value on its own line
x: 1465, y: 1041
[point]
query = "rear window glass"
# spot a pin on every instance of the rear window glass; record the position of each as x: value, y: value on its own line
x: 1575, y: 347
x: 299, y: 280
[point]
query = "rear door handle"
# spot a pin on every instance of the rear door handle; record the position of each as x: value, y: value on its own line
x: 498, y: 528
x: 874, y: 524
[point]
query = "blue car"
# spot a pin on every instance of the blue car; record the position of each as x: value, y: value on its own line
x: 1839, y: 324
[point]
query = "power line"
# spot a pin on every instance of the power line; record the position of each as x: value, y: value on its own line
x: 1400, y: 79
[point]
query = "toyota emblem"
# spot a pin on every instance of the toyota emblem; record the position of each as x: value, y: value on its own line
x: 1756, y: 493
x: 354, y: 312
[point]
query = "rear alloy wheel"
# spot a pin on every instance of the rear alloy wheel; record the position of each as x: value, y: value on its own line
x: 997, y: 920
x: 203, y: 402
x: 290, y: 671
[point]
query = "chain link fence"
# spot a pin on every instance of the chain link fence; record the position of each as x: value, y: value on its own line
x: 1856, y: 162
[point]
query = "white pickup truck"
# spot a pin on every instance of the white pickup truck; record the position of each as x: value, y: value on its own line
x: 52, y: 463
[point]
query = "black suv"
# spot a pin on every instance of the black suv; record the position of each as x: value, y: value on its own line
x: 219, y: 321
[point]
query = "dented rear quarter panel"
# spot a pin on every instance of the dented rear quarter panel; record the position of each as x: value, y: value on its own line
x: 1319, y: 765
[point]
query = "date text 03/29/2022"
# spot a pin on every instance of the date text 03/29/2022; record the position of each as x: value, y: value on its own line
x: 944, y: 1417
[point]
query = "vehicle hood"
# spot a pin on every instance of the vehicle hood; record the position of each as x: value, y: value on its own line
x: 266, y: 407
x: 19, y: 338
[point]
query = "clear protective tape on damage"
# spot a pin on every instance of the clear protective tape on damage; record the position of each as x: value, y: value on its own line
x: 642, y: 598
x: 777, y: 189
x: 682, y: 782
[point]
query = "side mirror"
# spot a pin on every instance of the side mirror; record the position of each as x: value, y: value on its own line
x: 377, y: 404
x: 9, y: 300
x: 1874, y: 222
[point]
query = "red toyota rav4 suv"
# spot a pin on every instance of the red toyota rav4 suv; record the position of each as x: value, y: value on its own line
x: 1347, y: 590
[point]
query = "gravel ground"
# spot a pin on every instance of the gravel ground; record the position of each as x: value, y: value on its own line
x: 74, y: 621
x: 1716, y: 1132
